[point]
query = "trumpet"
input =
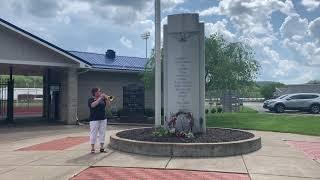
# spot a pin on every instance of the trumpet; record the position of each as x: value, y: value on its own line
x: 111, y: 98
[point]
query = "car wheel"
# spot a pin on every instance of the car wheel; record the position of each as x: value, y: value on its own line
x: 279, y: 108
x: 315, y: 109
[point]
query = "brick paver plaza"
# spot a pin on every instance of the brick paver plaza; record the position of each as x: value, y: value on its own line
x: 99, y: 173
x: 62, y: 152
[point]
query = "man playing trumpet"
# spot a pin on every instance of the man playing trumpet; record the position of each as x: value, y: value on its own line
x: 98, y: 121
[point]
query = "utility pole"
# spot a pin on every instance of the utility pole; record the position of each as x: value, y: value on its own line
x: 158, y: 94
x: 146, y: 36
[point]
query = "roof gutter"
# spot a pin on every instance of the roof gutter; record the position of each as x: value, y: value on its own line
x: 115, y: 70
x: 84, y: 71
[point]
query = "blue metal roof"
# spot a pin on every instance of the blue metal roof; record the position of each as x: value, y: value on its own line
x: 100, y: 61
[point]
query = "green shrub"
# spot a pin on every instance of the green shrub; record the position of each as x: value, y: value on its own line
x: 219, y: 109
x: 160, y: 132
x: 207, y: 111
x: 213, y: 110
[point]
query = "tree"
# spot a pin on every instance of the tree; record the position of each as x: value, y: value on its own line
x: 229, y: 66
x: 149, y: 71
x: 267, y: 91
x: 25, y: 81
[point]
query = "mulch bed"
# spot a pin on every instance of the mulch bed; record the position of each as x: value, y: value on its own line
x: 213, y: 135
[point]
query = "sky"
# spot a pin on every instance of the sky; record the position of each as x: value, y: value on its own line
x: 285, y: 34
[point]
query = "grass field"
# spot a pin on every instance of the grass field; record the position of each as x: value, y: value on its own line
x: 250, y: 119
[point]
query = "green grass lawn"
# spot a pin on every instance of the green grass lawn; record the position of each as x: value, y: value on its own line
x: 250, y: 119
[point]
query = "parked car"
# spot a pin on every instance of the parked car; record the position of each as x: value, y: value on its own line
x: 300, y: 101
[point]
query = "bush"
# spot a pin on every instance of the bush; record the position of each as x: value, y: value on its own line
x: 149, y: 112
x: 207, y: 111
x: 213, y: 110
x: 160, y: 132
x: 219, y: 109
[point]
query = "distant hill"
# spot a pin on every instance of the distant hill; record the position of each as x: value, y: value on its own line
x: 264, y: 83
x: 314, y: 82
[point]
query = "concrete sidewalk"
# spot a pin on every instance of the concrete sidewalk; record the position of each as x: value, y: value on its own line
x: 276, y: 160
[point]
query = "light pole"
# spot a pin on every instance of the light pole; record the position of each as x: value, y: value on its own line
x: 158, y: 96
x: 146, y: 36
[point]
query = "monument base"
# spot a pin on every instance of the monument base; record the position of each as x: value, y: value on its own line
x: 237, y: 142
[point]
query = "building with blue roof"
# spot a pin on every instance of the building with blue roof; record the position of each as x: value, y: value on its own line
x: 118, y: 63
x: 68, y: 77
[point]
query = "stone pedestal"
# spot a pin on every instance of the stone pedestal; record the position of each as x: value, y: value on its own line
x: 184, y: 78
x: 230, y: 101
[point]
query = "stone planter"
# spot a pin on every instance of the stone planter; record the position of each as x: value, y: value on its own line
x: 221, y: 149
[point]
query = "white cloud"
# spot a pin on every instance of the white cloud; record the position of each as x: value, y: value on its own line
x: 270, y: 55
x: 210, y: 11
x: 284, y: 67
x: 312, y: 53
x: 95, y: 49
x: 95, y: 25
x: 219, y: 27
x: 294, y: 27
x: 279, y: 68
x: 311, y: 4
x: 288, y: 8
x: 314, y: 28
x: 252, y: 18
x: 309, y: 51
x: 295, y: 32
x: 169, y: 5
x: 126, y: 42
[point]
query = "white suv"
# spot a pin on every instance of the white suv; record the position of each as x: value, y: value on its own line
x: 301, y: 101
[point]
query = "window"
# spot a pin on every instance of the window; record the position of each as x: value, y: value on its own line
x: 304, y: 96
x: 281, y: 97
x: 297, y: 97
x: 310, y: 96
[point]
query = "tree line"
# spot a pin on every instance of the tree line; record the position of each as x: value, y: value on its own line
x: 25, y: 81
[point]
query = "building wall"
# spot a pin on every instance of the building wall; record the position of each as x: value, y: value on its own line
x: 112, y: 83
x: 298, y: 88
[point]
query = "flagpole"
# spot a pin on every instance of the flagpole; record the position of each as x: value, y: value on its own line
x: 158, y: 94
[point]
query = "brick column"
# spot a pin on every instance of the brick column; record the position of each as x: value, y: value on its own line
x: 71, y: 98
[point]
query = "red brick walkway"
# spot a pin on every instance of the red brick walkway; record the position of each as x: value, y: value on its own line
x: 58, y: 144
x: 311, y: 149
x: 117, y: 173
